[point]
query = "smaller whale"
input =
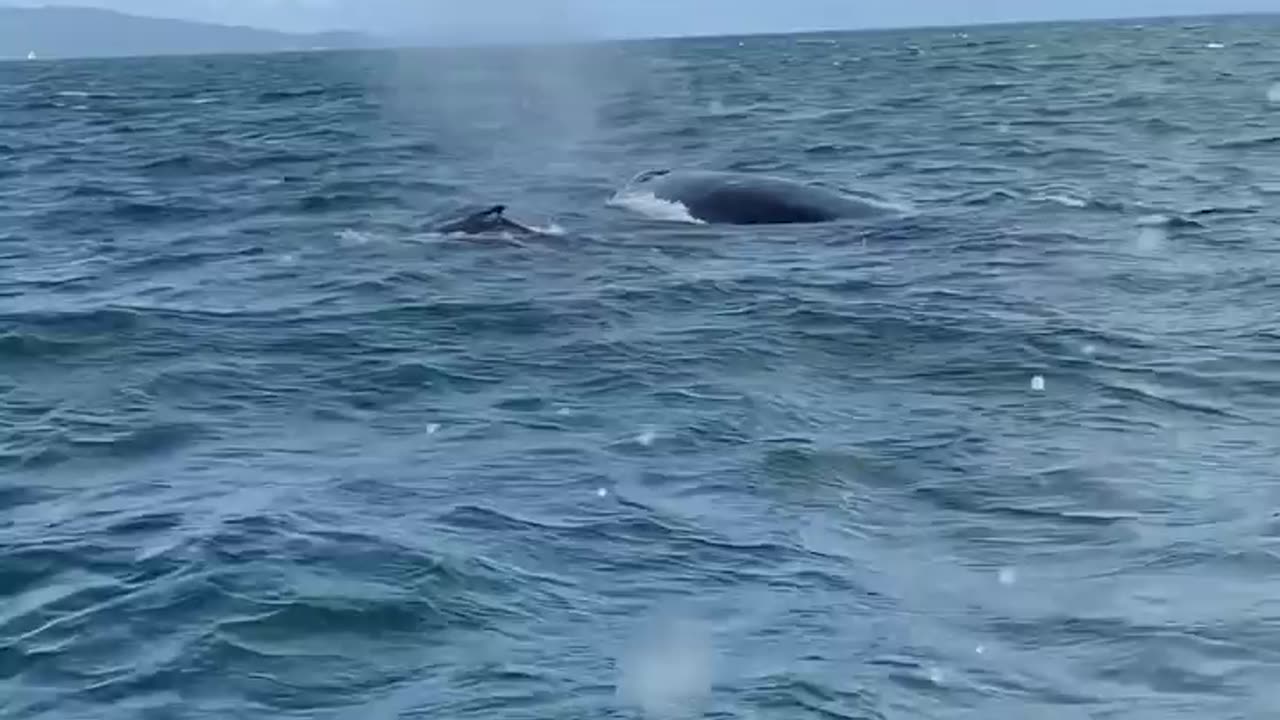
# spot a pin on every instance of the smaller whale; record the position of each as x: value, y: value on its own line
x: 717, y: 197
x: 489, y: 220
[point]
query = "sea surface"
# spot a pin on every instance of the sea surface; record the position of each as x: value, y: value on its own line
x: 271, y: 447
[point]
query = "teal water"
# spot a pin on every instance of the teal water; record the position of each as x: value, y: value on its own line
x: 270, y: 448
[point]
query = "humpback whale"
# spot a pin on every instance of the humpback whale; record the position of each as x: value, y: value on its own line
x: 718, y: 197
x: 489, y: 220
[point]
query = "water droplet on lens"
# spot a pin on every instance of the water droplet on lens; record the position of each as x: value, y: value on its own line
x: 667, y: 675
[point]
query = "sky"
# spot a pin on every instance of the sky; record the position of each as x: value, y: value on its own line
x: 570, y: 19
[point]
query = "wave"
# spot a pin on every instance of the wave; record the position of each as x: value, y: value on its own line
x: 1247, y: 143
x: 295, y: 94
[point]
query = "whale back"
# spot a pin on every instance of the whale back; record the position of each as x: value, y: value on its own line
x: 741, y: 199
x: 487, y: 220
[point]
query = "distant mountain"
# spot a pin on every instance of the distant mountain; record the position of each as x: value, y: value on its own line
x: 62, y: 32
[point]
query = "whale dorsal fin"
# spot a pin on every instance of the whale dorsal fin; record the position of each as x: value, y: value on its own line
x: 496, y: 211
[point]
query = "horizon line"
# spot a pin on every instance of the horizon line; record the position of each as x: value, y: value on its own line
x: 677, y: 35
x: 381, y: 41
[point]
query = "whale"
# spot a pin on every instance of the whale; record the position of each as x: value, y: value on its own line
x: 738, y: 198
x: 490, y: 220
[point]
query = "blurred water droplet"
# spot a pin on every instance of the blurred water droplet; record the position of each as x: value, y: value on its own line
x: 1090, y: 349
x: 646, y: 438
x: 433, y: 428
x: 980, y: 649
x: 1273, y: 94
x: 1008, y: 576
x: 1151, y: 238
x: 1154, y: 231
x: 668, y: 674
x: 602, y: 493
x: 937, y: 676
x: 1037, y: 383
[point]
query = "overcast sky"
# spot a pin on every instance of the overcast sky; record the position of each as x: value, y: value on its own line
x: 645, y: 17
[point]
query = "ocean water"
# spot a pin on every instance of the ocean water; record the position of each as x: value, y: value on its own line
x: 271, y: 448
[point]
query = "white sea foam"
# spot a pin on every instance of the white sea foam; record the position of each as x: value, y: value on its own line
x: 549, y: 229
x: 354, y: 237
x: 651, y: 206
x: 1064, y: 200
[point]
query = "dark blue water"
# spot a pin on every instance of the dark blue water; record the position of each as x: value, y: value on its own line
x: 270, y: 448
